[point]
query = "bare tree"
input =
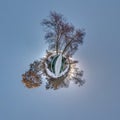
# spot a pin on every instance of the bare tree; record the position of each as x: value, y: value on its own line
x: 56, y: 83
x: 31, y: 79
x: 61, y: 35
x: 72, y: 41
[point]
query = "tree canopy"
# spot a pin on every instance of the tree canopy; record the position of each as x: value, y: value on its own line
x: 61, y: 35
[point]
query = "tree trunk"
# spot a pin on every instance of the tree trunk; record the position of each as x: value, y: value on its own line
x: 66, y: 47
x: 57, y: 42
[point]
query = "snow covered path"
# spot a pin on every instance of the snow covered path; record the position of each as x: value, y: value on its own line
x: 58, y: 65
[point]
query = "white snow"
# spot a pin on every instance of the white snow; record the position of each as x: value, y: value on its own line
x: 53, y: 75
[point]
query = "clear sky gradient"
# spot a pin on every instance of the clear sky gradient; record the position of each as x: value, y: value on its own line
x: 22, y: 42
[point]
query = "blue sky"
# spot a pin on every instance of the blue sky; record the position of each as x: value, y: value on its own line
x: 22, y: 42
